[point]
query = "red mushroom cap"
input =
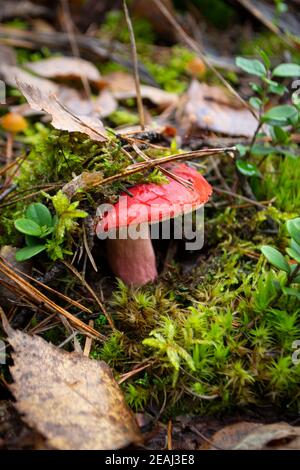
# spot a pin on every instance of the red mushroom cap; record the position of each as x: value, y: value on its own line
x: 152, y: 202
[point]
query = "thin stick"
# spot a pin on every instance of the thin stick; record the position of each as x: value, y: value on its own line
x: 135, y: 67
x: 239, y: 196
x: 36, y: 296
x: 90, y: 180
x: 88, y: 342
x: 73, y: 43
x: 91, y: 291
x: 192, y: 44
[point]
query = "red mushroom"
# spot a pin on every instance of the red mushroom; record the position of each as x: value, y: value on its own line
x: 133, y: 260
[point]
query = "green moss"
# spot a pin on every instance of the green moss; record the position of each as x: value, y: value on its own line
x: 169, y: 69
x: 218, y: 339
x: 115, y: 27
x: 281, y: 181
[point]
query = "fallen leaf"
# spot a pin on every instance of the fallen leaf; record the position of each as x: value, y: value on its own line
x: 105, y: 103
x: 255, y: 436
x: 44, y: 95
x: 73, y: 401
x: 122, y: 86
x: 65, y: 67
x: 210, y: 107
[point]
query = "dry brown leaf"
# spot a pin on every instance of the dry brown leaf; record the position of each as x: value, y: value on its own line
x: 65, y: 67
x: 105, y: 103
x: 122, y: 86
x: 255, y: 436
x: 44, y: 95
x: 210, y: 107
x: 73, y: 401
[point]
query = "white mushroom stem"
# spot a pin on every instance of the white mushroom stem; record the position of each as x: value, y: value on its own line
x: 131, y: 260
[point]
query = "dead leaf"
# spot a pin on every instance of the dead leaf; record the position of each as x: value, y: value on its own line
x: 255, y: 436
x: 44, y: 95
x: 210, y: 107
x: 65, y: 67
x: 122, y: 86
x: 105, y: 103
x: 73, y: 401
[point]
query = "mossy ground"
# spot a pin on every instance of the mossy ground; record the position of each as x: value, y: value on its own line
x: 217, y: 338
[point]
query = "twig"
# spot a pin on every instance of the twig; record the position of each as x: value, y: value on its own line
x: 169, y: 435
x: 88, y: 342
x: 89, y: 180
x: 185, y: 183
x: 135, y: 67
x: 239, y: 196
x: 37, y: 297
x: 91, y: 291
x: 192, y: 44
x: 265, y: 21
x: 73, y: 43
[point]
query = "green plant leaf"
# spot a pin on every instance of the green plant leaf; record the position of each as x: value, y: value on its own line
x: 293, y: 227
x: 293, y: 254
x: 291, y: 291
x: 280, y: 115
x: 264, y: 57
x: 253, y: 67
x: 40, y: 214
x: 28, y: 227
x: 246, y: 168
x: 28, y: 252
x: 255, y: 102
x: 295, y: 246
x: 275, y: 258
x: 287, y: 70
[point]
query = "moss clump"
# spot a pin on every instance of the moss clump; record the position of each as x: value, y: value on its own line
x: 220, y: 338
x: 281, y: 181
x: 169, y: 68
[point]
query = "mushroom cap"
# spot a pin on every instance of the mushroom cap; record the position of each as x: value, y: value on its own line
x: 13, y: 122
x: 150, y: 202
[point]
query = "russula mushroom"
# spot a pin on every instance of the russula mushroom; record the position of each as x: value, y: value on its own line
x: 133, y: 260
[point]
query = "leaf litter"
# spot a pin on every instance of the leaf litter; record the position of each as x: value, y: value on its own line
x: 73, y: 401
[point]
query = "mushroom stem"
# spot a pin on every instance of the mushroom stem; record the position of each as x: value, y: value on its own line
x: 133, y: 261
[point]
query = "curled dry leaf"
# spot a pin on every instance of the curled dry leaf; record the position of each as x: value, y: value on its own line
x: 73, y: 401
x: 41, y: 95
x: 256, y: 436
x: 210, y: 107
x: 65, y: 67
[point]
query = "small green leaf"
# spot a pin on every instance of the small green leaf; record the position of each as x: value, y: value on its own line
x: 280, y: 135
x: 275, y: 258
x: 287, y: 70
x: 291, y: 291
x: 28, y: 252
x: 293, y: 254
x: 255, y: 102
x: 246, y: 168
x: 40, y: 214
x: 254, y: 67
x: 293, y: 227
x: 264, y: 57
x: 28, y: 227
x: 262, y: 149
x: 242, y: 149
x: 295, y: 246
x: 280, y: 115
